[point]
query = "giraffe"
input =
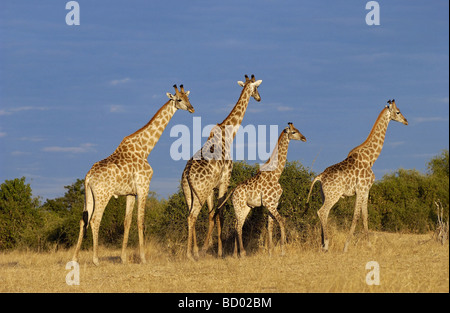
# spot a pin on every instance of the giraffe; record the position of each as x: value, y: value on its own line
x: 127, y: 172
x: 263, y: 189
x: 354, y: 175
x: 211, y: 167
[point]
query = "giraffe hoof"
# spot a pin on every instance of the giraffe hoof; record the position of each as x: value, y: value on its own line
x: 95, y: 261
x: 191, y: 258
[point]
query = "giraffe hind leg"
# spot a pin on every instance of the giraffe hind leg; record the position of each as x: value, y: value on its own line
x: 84, y: 222
x: 275, y: 215
x: 359, y: 203
x: 241, y: 211
x: 192, y: 240
x: 356, y: 214
x: 100, y: 204
x: 80, y: 240
x: 127, y: 224
x: 208, y: 240
x: 323, y: 216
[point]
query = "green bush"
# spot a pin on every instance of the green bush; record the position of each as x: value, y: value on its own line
x: 20, y: 219
x: 400, y: 201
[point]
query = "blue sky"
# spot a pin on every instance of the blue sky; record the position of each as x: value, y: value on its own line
x: 69, y: 94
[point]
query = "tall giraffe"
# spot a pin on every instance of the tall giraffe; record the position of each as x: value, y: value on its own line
x: 211, y: 167
x: 127, y: 172
x: 263, y: 189
x: 355, y: 175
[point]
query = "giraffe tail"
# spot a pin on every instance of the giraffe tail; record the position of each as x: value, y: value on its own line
x: 312, y: 185
x: 88, y: 205
x: 226, y: 199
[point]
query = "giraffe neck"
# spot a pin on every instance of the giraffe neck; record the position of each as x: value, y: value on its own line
x: 144, y: 140
x: 234, y: 119
x: 222, y: 135
x: 277, y: 160
x: 370, y: 149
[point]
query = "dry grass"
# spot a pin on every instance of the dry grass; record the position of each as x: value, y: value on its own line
x: 408, y: 263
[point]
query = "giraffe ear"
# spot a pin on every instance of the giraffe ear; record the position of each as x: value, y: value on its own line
x: 187, y: 93
x: 258, y: 82
x: 240, y: 83
x: 169, y: 95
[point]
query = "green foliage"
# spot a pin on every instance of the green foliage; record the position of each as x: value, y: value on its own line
x: 19, y: 218
x: 400, y: 201
x: 438, y: 165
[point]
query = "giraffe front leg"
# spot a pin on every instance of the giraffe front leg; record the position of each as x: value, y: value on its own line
x: 364, y: 213
x: 127, y: 224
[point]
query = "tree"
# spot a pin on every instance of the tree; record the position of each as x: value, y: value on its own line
x: 19, y: 217
x: 439, y: 165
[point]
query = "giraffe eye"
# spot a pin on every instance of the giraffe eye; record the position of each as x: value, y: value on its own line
x: 179, y: 100
x: 398, y: 112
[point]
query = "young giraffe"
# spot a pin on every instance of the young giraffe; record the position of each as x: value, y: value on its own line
x: 263, y: 189
x: 355, y: 175
x: 127, y: 172
x: 211, y: 167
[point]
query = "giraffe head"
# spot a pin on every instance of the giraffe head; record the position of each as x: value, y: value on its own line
x: 253, y: 84
x: 180, y: 99
x: 294, y: 133
x: 396, y: 115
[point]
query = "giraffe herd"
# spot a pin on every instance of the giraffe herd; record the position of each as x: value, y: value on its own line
x: 126, y: 172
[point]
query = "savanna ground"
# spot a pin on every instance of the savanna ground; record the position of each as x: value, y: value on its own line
x: 408, y: 263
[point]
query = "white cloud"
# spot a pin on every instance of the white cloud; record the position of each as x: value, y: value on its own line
x: 19, y: 153
x: 83, y: 148
x: 396, y: 143
x: 283, y: 108
x: 443, y: 100
x: 115, y: 108
x: 32, y: 138
x: 21, y: 109
x: 116, y: 82
x: 430, y: 119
